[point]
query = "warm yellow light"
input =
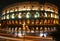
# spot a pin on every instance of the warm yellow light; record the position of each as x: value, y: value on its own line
x: 37, y: 21
x: 12, y: 16
x: 28, y: 15
x: 16, y: 9
x: 16, y: 22
x: 45, y: 22
x: 0, y: 24
x: 19, y: 34
x: 32, y: 22
x: 7, y: 16
x: 45, y: 29
x: 24, y: 9
x: 45, y: 14
x: 12, y: 10
x: 28, y: 21
x: 57, y: 22
x: 52, y: 15
x: 19, y: 15
x: 35, y: 8
x: 7, y: 11
x: 41, y: 9
x: 12, y: 22
x: 48, y: 21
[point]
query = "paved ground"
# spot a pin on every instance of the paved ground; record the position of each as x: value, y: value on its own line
x: 7, y: 37
x: 27, y: 38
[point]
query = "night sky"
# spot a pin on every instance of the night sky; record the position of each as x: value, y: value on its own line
x: 4, y: 3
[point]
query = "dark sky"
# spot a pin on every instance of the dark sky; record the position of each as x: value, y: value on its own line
x: 4, y: 3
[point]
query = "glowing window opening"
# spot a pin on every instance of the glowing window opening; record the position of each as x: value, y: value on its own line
x: 41, y: 34
x: 7, y: 17
x: 19, y: 34
x: 36, y: 15
x: 19, y: 15
x: 52, y: 15
x: 28, y: 15
x: 45, y: 14
x: 12, y: 16
x: 56, y: 16
x: 7, y: 11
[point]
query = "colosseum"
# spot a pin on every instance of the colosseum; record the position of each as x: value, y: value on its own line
x: 29, y: 19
